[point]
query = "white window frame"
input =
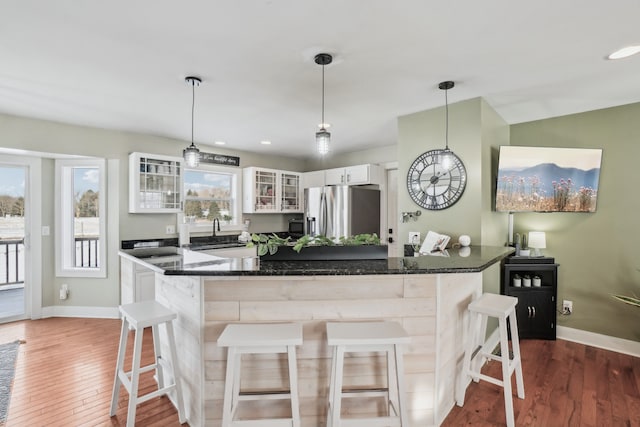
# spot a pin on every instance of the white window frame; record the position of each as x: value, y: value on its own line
x: 65, y: 240
x: 236, y: 191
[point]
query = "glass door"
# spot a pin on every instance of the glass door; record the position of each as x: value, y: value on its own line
x: 12, y: 242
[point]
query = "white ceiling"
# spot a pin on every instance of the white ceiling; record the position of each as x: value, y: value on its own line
x: 121, y: 64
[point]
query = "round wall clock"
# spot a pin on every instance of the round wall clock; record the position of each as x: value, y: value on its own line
x: 432, y: 185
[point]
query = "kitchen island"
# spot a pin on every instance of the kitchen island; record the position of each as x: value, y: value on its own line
x: 428, y: 295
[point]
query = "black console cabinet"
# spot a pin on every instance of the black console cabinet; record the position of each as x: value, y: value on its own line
x: 536, y: 309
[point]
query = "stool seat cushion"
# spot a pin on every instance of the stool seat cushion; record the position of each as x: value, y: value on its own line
x: 263, y: 334
x: 366, y: 333
x: 146, y: 313
x: 493, y: 304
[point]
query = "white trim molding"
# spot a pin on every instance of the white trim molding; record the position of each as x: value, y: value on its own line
x: 606, y: 342
x: 77, y: 311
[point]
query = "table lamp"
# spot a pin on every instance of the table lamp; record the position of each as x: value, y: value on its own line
x: 537, y: 241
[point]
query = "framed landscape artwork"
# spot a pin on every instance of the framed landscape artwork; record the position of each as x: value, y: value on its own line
x: 547, y: 179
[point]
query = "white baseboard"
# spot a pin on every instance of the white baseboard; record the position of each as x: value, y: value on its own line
x: 606, y: 342
x: 76, y: 311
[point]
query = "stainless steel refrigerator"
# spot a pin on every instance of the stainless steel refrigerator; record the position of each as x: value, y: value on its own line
x: 341, y: 210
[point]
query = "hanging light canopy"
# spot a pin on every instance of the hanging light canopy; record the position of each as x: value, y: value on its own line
x: 191, y: 154
x: 446, y: 154
x: 322, y: 136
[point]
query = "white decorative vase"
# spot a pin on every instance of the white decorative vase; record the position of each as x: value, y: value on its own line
x: 526, y: 282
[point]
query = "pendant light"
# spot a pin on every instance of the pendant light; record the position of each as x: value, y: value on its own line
x: 191, y: 154
x: 446, y: 153
x: 322, y: 136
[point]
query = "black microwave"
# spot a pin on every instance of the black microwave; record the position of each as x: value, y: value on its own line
x: 296, y: 227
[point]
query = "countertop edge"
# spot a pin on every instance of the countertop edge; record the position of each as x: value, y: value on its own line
x: 405, y: 266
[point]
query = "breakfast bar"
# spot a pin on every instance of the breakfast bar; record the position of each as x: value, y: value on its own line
x: 428, y: 295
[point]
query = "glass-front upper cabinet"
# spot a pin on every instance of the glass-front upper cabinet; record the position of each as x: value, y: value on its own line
x: 155, y: 183
x: 271, y: 191
x: 290, y: 200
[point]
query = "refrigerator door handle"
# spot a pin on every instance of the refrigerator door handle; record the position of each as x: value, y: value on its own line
x: 323, y: 214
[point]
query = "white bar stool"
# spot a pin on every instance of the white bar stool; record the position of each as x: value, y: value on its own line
x: 259, y: 339
x: 502, y: 307
x: 142, y: 315
x: 348, y: 337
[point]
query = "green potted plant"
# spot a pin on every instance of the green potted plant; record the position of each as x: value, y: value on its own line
x: 276, y: 248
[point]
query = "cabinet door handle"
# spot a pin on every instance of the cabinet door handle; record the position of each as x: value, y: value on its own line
x: 534, y: 311
x: 348, y: 177
x: 529, y: 308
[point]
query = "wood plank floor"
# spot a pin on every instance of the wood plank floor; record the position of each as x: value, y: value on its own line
x: 65, y: 371
x: 64, y: 376
x: 566, y: 384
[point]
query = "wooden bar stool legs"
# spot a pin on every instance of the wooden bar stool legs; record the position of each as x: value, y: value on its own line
x: 139, y: 316
x: 503, y: 308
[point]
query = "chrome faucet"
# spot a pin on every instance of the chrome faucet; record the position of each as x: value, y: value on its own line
x: 215, y: 220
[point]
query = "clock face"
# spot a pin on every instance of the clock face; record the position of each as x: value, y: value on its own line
x: 433, y: 184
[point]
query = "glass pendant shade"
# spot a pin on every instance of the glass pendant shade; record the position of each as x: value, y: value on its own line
x: 191, y: 156
x: 446, y: 158
x: 322, y: 141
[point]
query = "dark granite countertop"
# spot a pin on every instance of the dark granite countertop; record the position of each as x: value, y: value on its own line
x: 185, y: 262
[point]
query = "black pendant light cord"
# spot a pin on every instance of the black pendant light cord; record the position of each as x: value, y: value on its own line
x: 322, y: 124
x: 193, y: 104
x: 446, y: 109
x: 446, y: 86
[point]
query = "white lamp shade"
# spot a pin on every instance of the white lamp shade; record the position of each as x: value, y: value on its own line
x: 537, y: 240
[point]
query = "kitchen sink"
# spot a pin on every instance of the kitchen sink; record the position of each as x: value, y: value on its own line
x: 208, y: 246
x: 155, y: 252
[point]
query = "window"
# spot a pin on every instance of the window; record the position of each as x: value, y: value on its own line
x: 81, y: 218
x: 212, y: 192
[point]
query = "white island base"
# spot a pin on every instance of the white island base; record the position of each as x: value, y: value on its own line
x: 431, y: 307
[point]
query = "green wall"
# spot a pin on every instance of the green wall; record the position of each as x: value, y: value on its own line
x: 598, y: 252
x: 475, y: 131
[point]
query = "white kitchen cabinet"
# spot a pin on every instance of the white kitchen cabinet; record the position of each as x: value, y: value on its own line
x: 137, y: 283
x: 271, y: 191
x: 353, y: 175
x: 155, y: 183
x: 313, y: 179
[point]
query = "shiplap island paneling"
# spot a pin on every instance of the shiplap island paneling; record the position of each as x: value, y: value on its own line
x: 431, y: 307
x: 427, y: 295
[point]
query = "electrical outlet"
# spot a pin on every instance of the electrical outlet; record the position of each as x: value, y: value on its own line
x: 414, y: 237
x: 567, y: 307
x: 171, y: 229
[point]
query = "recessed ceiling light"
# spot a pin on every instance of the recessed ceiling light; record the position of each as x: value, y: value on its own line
x: 324, y: 125
x: 265, y: 142
x: 219, y: 142
x: 625, y: 52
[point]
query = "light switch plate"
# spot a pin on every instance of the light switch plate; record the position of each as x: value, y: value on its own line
x: 45, y: 230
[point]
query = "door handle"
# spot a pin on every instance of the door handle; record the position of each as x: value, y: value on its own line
x: 390, y: 239
x: 534, y: 311
x: 529, y: 308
